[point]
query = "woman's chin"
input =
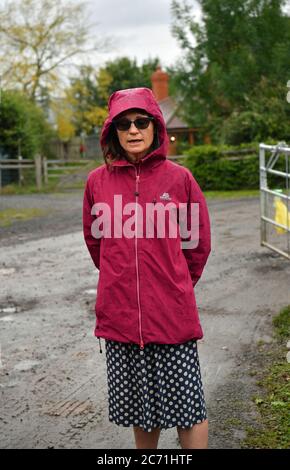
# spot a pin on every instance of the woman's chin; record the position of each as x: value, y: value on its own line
x: 135, y: 156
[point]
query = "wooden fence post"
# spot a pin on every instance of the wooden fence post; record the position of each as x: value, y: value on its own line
x: 38, y: 175
x: 20, y: 172
x: 44, y: 166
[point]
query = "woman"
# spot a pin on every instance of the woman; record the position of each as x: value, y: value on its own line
x: 145, y: 306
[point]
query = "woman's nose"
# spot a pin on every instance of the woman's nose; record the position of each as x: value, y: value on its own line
x: 133, y: 129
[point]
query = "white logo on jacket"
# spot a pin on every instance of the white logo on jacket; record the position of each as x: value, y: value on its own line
x: 165, y: 196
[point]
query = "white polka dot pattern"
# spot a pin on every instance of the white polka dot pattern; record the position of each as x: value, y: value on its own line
x: 159, y: 386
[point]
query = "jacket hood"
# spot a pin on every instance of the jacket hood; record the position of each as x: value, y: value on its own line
x: 133, y: 98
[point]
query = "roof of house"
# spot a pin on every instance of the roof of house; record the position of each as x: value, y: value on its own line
x: 169, y: 110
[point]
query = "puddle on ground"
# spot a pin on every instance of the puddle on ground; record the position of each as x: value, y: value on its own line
x: 7, y: 271
x: 9, y: 307
x: 26, y: 365
x: 90, y: 291
x: 7, y: 318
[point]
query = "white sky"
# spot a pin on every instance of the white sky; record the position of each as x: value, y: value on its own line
x: 140, y: 28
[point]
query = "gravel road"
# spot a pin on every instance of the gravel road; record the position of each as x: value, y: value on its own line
x: 52, y: 375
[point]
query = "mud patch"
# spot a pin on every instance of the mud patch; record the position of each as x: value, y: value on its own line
x: 86, y: 298
x: 215, y: 311
x: 270, y: 267
x: 233, y: 411
x: 69, y: 408
x: 10, y: 307
x: 26, y: 365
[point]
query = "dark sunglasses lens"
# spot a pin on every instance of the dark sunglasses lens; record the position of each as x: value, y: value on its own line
x: 123, y: 124
x: 142, y: 123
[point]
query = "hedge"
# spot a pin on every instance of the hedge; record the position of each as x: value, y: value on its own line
x: 213, y: 170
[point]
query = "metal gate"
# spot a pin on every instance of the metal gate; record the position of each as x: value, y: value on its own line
x: 275, y: 197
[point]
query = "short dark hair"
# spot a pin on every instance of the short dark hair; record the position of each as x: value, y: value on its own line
x: 113, y: 151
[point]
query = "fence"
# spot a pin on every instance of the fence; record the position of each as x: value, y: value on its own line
x: 54, y: 168
x: 20, y: 165
x: 44, y: 169
x: 275, y: 200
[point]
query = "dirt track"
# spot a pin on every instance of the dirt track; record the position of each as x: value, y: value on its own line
x: 53, y: 378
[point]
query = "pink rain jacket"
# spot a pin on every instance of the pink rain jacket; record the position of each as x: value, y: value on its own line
x: 145, y: 291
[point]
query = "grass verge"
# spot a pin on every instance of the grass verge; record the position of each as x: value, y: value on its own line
x: 271, y: 431
x: 7, y: 216
x: 54, y: 186
x: 51, y: 188
x: 232, y: 194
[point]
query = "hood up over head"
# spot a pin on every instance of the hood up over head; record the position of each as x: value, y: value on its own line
x: 137, y: 98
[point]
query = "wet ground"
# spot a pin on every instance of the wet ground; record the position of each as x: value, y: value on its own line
x: 52, y: 375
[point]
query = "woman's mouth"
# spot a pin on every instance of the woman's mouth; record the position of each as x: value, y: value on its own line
x: 134, y: 141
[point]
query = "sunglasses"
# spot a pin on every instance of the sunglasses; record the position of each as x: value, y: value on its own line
x: 124, y: 124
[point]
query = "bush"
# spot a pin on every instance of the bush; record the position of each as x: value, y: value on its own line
x: 23, y: 127
x: 214, y: 171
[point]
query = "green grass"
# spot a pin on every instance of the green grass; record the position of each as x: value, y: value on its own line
x: 8, y: 216
x: 235, y: 422
x: 53, y: 186
x: 232, y: 194
x: 27, y: 189
x: 272, y: 431
x: 282, y: 324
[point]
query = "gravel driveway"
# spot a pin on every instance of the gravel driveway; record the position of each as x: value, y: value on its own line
x: 53, y: 377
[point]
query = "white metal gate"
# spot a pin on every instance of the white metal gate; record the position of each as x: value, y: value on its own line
x: 275, y: 198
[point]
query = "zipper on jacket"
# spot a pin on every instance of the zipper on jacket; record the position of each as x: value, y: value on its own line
x: 136, y: 257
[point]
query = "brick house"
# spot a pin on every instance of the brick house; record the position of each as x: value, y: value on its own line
x: 177, y: 129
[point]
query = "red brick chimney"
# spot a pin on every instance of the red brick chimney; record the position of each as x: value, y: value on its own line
x: 159, y: 80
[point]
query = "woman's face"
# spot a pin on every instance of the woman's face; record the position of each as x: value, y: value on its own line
x: 136, y: 142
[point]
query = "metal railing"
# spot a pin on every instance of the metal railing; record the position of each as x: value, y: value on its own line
x: 275, y: 202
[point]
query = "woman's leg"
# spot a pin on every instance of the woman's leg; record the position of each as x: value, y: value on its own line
x: 195, y: 437
x: 145, y: 439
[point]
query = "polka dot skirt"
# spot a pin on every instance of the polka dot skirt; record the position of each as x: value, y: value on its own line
x: 159, y: 386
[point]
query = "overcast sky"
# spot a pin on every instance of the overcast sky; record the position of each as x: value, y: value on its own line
x: 141, y: 29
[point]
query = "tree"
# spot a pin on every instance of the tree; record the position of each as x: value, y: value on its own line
x: 65, y: 128
x: 126, y: 73
x: 239, y: 48
x: 85, y: 100
x: 88, y: 94
x: 23, y: 127
x: 37, y: 38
